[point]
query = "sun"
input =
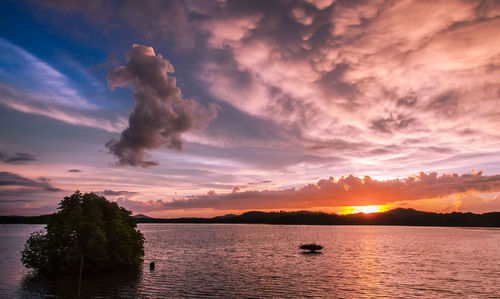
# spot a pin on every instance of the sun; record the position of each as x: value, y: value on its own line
x: 362, y: 209
x: 367, y: 209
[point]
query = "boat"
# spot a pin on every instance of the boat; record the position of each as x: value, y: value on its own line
x: 313, y: 247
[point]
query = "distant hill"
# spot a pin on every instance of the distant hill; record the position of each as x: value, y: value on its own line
x: 409, y: 217
x: 42, y: 219
x: 398, y: 216
x: 142, y: 216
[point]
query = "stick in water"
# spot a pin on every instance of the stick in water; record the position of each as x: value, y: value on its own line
x: 80, y: 277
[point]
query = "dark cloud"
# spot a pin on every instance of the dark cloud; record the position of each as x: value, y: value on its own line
x: 154, y: 19
x: 14, y: 200
x: 409, y: 101
x: 13, y: 180
x: 337, y: 145
x: 216, y: 185
x: 160, y: 115
x: 332, y: 86
x: 438, y: 149
x: 75, y: 170
x: 259, y: 183
x: 346, y: 191
x: 116, y: 193
x: 19, y: 158
x: 383, y: 150
x: 52, y: 189
x: 445, y: 104
x: 392, y: 123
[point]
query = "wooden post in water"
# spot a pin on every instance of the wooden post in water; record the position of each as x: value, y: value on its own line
x: 80, y: 277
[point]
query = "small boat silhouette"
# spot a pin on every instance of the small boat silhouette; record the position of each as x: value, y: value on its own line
x: 313, y: 247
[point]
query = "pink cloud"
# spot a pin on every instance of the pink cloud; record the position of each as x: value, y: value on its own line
x: 229, y: 31
x: 477, y: 204
x: 333, y: 69
x: 302, y: 16
x: 321, y: 4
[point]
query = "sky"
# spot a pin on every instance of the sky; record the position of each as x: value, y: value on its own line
x: 201, y: 108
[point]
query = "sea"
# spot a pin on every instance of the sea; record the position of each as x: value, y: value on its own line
x: 264, y: 261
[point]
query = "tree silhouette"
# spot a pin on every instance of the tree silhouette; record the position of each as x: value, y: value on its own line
x: 87, y: 231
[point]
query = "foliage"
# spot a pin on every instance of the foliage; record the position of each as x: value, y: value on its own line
x: 87, y: 227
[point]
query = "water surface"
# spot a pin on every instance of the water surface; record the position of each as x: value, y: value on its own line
x: 238, y: 260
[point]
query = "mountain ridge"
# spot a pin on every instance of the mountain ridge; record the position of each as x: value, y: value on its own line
x: 399, y: 216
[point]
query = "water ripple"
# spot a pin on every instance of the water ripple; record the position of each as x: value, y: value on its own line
x: 263, y: 261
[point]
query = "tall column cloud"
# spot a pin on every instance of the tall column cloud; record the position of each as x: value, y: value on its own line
x: 160, y: 115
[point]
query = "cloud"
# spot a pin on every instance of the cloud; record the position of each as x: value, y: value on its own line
x: 391, y: 123
x: 20, y: 158
x: 373, y: 74
x: 160, y: 115
x: 165, y: 19
x: 32, y: 103
x: 41, y: 77
x: 20, y: 195
x: 141, y: 206
x: 116, y: 193
x: 321, y: 4
x: 362, y: 69
x: 75, y: 170
x: 317, y: 88
x: 476, y: 204
x: 9, y: 180
x: 346, y: 191
x: 45, y: 91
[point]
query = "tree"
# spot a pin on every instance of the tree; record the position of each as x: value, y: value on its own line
x: 87, y: 231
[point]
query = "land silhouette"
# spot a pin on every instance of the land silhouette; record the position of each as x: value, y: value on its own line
x: 397, y: 216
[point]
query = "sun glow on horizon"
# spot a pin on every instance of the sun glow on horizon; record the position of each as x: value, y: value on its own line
x: 362, y: 209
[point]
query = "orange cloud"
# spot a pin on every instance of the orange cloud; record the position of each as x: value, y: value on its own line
x: 346, y: 191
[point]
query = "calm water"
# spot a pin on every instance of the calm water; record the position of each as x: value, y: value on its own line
x: 240, y: 261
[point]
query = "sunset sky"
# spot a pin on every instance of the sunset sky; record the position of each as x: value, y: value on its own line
x: 203, y: 108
